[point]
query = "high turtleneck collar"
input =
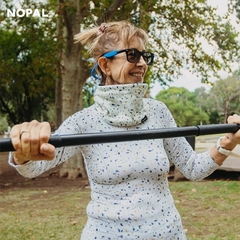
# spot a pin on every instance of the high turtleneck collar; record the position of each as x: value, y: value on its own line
x: 122, y: 105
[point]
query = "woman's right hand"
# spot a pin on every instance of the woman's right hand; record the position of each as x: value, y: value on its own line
x: 30, y: 140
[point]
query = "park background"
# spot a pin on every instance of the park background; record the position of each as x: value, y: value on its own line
x: 45, y: 76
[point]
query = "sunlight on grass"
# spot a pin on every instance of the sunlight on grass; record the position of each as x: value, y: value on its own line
x: 209, y: 209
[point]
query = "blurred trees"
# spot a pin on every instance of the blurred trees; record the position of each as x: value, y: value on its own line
x: 237, y: 7
x: 184, y: 106
x: 202, y: 106
x: 27, y: 69
x: 224, y: 97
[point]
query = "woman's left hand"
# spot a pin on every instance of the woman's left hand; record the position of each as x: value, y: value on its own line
x: 232, y: 138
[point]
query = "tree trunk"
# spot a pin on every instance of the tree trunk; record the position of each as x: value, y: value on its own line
x: 73, y: 78
x: 72, y: 85
x: 74, y: 73
x: 74, y: 168
x: 58, y: 85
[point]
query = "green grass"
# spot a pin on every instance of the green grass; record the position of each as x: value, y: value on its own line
x: 209, y: 209
x: 43, y: 214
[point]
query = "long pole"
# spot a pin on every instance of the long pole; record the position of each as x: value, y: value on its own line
x: 122, y: 136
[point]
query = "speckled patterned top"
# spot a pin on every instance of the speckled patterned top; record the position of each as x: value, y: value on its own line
x: 130, y: 197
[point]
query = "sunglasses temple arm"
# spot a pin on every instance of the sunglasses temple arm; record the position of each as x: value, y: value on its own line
x: 93, y: 71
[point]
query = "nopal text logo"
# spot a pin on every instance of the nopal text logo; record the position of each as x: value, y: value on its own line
x: 26, y: 12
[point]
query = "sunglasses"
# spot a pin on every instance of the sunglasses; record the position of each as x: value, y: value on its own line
x: 132, y: 54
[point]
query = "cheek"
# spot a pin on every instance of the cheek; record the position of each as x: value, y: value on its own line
x: 120, y: 71
x: 124, y: 74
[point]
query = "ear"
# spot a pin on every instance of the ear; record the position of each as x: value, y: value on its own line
x: 103, y: 63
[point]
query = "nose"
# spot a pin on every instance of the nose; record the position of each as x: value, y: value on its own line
x: 141, y: 62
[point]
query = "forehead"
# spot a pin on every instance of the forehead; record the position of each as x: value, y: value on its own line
x: 134, y: 42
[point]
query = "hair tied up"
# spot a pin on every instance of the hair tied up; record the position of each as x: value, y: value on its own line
x: 103, y: 27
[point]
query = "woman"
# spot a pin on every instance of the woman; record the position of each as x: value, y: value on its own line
x: 130, y: 197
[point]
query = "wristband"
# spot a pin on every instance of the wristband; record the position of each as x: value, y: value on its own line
x: 222, y: 150
x: 225, y: 151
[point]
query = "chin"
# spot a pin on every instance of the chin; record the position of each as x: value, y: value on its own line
x: 139, y: 81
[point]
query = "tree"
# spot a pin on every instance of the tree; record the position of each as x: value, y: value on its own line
x: 27, y: 75
x: 182, y: 31
x: 88, y: 92
x: 183, y: 105
x: 225, y: 98
x: 237, y: 7
x: 3, y: 124
x: 205, y: 104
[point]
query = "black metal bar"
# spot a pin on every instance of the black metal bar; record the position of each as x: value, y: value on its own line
x: 122, y: 136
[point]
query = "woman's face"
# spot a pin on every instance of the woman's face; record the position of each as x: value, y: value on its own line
x: 119, y: 71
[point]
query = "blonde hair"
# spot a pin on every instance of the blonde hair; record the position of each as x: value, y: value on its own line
x: 104, y: 38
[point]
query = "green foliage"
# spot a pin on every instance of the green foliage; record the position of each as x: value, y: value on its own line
x: 202, y: 106
x: 28, y: 68
x: 3, y: 124
x: 181, y: 32
x: 183, y: 105
x: 207, y: 105
x: 237, y: 6
x: 88, y: 92
x: 214, y: 117
x: 224, y: 97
